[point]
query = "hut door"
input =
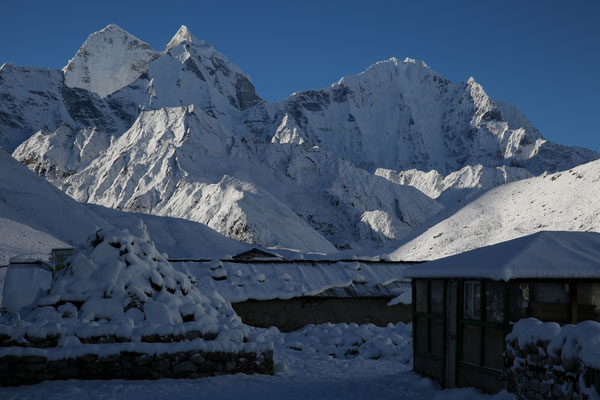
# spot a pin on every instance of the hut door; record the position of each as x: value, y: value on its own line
x: 451, y: 332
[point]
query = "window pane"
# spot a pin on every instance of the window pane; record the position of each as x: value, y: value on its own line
x: 519, y: 300
x: 437, y: 297
x: 588, y: 301
x: 472, y: 299
x: 493, y: 348
x: 494, y: 301
x: 550, y: 292
x: 422, y: 335
x: 471, y: 344
x: 549, y: 302
x: 421, y: 295
x: 437, y: 338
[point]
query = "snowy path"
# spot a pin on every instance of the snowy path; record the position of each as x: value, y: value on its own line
x: 304, y: 375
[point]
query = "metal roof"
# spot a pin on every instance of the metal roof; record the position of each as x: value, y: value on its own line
x: 366, y: 290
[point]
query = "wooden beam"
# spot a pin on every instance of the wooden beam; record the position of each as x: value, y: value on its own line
x: 573, y: 298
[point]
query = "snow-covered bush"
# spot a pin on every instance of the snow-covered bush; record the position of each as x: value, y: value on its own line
x: 344, y: 340
x: 552, y: 361
x: 118, y: 288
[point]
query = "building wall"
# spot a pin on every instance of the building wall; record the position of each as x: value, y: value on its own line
x: 293, y: 314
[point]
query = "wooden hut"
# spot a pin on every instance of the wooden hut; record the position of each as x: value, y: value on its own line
x: 465, y: 305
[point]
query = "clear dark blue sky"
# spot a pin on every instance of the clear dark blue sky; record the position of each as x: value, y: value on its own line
x: 542, y: 56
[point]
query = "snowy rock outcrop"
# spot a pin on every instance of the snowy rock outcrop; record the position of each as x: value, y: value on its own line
x: 456, y: 186
x: 108, y: 60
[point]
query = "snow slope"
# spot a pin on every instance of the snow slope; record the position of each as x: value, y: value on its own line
x: 566, y: 200
x: 179, y: 238
x: 35, y: 216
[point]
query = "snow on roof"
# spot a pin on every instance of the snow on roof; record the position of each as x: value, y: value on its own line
x: 546, y: 254
x: 237, y: 281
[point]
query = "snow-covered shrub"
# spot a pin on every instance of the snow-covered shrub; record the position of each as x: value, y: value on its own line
x: 117, y: 288
x: 344, y: 340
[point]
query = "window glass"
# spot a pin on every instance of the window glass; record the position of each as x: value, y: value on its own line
x: 549, y: 301
x: 421, y: 296
x: 493, y: 348
x: 422, y: 335
x: 472, y: 300
x: 437, y: 297
x: 519, y: 300
x: 494, y: 301
x: 550, y: 292
x: 437, y: 338
x: 471, y: 344
x: 588, y: 301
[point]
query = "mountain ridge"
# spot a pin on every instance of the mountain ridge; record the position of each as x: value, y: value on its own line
x: 336, y: 164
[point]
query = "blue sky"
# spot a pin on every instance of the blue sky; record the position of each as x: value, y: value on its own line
x: 542, y: 56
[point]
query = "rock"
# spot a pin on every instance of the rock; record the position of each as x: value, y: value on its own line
x: 197, y: 359
x: 185, y: 366
x: 34, y: 359
x: 161, y: 365
x: 88, y: 358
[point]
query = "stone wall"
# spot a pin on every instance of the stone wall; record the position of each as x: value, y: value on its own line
x: 293, y: 314
x: 23, y: 370
x: 546, y: 367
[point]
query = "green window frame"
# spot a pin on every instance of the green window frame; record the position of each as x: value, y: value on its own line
x: 483, y: 326
x: 429, y: 318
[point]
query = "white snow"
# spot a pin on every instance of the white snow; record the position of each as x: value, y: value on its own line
x: 238, y: 282
x: 35, y: 217
x: 546, y: 254
x: 581, y: 341
x: 563, y: 201
x: 108, y: 60
x: 22, y: 284
x: 126, y: 289
x: 304, y: 370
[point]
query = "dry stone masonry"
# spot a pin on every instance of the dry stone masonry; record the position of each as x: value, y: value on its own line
x: 547, y: 361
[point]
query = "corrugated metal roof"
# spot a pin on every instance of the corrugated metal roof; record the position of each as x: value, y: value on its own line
x: 367, y: 290
x: 32, y: 264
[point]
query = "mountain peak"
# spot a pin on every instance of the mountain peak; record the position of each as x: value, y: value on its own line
x: 108, y: 60
x: 184, y: 35
x: 409, y: 60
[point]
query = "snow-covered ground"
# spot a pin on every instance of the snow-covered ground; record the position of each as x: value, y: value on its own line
x: 305, y: 367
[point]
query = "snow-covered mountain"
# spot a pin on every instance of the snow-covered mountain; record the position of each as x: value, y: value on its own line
x: 457, y: 186
x: 401, y: 115
x: 108, y: 60
x: 183, y: 133
x: 181, y: 162
x: 566, y: 200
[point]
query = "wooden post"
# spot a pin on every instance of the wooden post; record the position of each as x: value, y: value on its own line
x: 573, y: 298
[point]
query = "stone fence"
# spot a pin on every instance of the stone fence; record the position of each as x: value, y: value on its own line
x: 20, y: 370
x: 546, y: 361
